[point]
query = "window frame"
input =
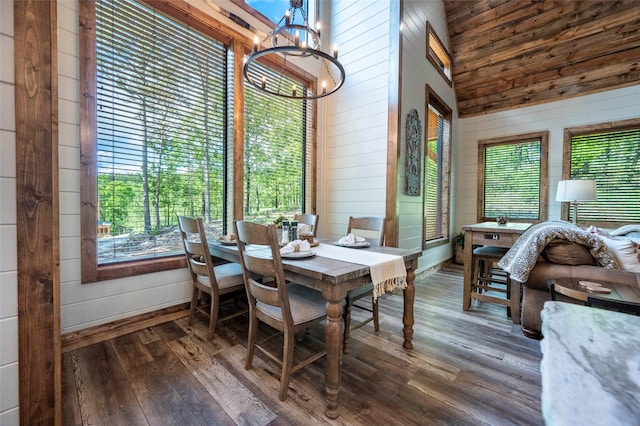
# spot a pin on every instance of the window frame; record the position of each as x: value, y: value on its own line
x: 569, y: 133
x: 239, y: 45
x: 543, y: 207
x: 438, y: 54
x: 431, y: 98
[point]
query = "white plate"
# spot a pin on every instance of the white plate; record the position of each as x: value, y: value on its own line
x: 354, y: 245
x: 298, y: 254
x: 225, y: 240
x: 589, y: 284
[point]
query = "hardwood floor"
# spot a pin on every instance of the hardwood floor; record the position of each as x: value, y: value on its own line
x: 471, y: 368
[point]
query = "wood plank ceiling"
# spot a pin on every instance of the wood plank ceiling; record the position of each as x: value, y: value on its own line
x: 513, y: 53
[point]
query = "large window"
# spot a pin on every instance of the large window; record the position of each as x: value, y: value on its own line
x: 161, y: 114
x: 512, y: 177
x: 275, y: 148
x: 437, y: 165
x: 158, y: 137
x: 610, y: 154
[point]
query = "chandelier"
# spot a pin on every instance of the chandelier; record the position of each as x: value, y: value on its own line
x: 294, y: 43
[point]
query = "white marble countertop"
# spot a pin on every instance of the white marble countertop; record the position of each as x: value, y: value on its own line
x: 590, y: 366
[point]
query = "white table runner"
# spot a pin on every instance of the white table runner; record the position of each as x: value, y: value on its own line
x: 387, y: 270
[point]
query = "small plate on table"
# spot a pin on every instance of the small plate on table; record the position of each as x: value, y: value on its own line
x: 354, y: 245
x: 298, y: 254
x: 594, y: 287
x: 589, y: 284
x: 226, y: 240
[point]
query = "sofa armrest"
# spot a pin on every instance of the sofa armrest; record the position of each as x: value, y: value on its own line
x: 543, y: 271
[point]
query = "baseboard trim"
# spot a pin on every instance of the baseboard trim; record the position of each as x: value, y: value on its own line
x: 100, y: 333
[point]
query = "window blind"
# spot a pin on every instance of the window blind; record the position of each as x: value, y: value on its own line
x: 277, y: 149
x: 161, y: 130
x: 512, y: 180
x: 612, y: 158
x: 433, y: 158
x: 436, y: 187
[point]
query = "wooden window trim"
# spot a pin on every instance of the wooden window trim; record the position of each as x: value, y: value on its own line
x: 431, y: 33
x: 544, y: 171
x: 569, y: 133
x: 431, y: 98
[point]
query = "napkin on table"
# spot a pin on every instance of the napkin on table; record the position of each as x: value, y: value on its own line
x: 294, y: 246
x: 351, y: 239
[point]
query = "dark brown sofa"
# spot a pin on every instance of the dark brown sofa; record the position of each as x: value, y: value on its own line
x: 562, y: 259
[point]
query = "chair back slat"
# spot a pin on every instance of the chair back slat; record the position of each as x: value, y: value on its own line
x: 198, y: 268
x: 369, y: 227
x: 194, y: 248
x: 265, y: 294
x: 308, y: 219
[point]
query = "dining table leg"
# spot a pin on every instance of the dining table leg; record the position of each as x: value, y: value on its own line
x: 407, y: 316
x: 468, y: 270
x: 333, y: 339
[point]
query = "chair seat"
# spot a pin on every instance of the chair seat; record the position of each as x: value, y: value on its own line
x: 228, y: 275
x: 306, y: 305
x: 489, y: 251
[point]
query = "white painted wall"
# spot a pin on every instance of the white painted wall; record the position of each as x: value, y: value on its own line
x: 417, y: 73
x: 352, y: 143
x: 613, y: 105
x: 9, y: 412
x: 86, y: 305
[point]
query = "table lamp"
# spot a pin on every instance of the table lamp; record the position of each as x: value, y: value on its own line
x: 575, y: 190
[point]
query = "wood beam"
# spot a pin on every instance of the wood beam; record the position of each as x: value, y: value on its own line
x: 37, y: 215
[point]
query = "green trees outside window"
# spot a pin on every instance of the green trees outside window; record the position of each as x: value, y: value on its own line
x: 512, y: 174
x: 610, y: 155
x: 164, y: 135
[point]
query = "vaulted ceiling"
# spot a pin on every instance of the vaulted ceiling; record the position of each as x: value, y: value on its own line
x: 512, y: 53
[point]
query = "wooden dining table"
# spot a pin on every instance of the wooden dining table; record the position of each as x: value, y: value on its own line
x: 334, y: 278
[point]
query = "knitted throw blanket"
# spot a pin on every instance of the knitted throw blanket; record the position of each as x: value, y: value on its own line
x: 522, y: 256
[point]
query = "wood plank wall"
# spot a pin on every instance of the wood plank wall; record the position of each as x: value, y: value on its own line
x: 37, y: 220
x: 510, y: 53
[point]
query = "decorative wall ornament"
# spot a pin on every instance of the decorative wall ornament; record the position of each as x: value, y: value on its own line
x: 414, y: 143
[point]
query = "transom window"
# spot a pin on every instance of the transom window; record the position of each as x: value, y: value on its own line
x: 438, y: 54
x: 512, y: 177
x: 610, y: 154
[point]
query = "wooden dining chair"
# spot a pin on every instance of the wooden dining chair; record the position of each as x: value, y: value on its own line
x: 372, y: 229
x: 207, y: 278
x: 308, y: 219
x: 289, y: 308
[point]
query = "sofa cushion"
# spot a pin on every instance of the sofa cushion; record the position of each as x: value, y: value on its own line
x: 626, y: 251
x: 563, y: 252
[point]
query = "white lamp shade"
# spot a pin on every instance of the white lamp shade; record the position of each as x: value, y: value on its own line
x: 576, y: 190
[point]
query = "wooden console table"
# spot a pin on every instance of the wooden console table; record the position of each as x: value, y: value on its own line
x: 490, y: 234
